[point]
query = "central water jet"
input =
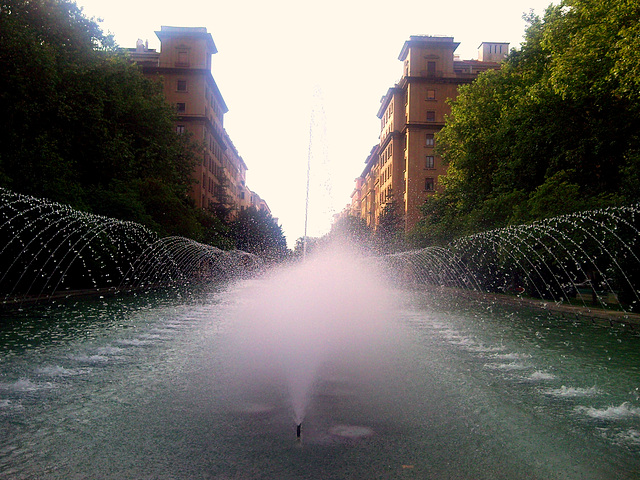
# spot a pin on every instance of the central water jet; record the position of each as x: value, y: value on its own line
x: 294, y: 324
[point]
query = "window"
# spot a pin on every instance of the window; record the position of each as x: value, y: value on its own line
x: 431, y: 116
x: 180, y: 129
x: 182, y: 86
x: 431, y: 68
x: 431, y: 94
x: 429, y: 184
x: 183, y: 58
x: 430, y: 141
x: 430, y: 163
x: 181, y: 107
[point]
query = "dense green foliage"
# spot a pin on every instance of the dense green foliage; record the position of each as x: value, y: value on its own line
x: 389, y: 234
x: 255, y: 231
x: 555, y: 130
x: 82, y: 126
x: 346, y: 231
x: 354, y: 233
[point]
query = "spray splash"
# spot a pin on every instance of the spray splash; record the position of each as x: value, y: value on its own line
x: 291, y: 323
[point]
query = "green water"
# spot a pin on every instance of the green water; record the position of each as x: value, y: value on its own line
x: 141, y: 388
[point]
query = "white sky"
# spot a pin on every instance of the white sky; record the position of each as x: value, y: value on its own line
x: 279, y: 61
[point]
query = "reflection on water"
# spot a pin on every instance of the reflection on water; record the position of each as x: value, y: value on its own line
x: 139, y: 387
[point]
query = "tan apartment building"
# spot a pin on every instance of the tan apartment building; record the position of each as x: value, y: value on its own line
x: 183, y: 65
x: 403, y: 168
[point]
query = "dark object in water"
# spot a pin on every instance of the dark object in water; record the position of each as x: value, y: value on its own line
x: 298, y: 428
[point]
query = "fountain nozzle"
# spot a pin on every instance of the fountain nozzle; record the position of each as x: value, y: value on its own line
x: 298, y: 428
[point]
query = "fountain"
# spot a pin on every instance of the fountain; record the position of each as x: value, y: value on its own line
x: 49, y: 249
x: 586, y: 259
x: 412, y: 364
x: 301, y: 319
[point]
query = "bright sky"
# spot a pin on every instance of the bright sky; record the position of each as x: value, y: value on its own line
x: 282, y: 63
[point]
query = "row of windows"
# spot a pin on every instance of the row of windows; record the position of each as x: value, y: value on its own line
x: 214, y: 147
x: 213, y: 167
x: 386, y: 155
x: 430, y: 117
x: 210, y: 186
x: 430, y: 95
x: 387, y: 119
x: 431, y: 114
x: 429, y: 185
x: 386, y: 174
x: 388, y: 113
x: 213, y: 104
x: 385, y: 196
x: 182, y: 86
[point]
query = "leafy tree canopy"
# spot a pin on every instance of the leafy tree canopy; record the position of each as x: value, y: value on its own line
x: 256, y: 231
x: 555, y: 130
x: 82, y: 126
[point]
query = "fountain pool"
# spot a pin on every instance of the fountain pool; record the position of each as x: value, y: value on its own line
x: 388, y: 384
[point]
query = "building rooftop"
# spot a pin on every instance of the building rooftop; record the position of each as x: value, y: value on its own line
x: 167, y: 32
x: 415, y: 40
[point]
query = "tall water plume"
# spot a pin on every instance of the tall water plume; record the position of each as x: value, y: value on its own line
x: 319, y: 201
x: 292, y: 323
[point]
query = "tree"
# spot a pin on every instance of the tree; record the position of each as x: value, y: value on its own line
x: 255, y: 231
x: 82, y: 126
x: 389, y: 233
x: 350, y: 230
x: 560, y: 116
x: 313, y: 243
x: 216, y: 232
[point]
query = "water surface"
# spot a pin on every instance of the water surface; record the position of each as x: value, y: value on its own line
x: 142, y: 387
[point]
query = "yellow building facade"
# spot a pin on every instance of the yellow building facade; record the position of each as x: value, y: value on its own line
x: 402, y: 168
x: 183, y: 65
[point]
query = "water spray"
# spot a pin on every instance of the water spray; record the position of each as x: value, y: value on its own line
x: 306, y: 205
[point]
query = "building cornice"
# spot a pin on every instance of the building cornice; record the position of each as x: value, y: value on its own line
x: 457, y: 80
x: 422, y: 126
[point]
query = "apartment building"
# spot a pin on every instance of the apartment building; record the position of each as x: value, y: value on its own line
x: 403, y: 168
x: 183, y: 65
